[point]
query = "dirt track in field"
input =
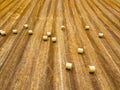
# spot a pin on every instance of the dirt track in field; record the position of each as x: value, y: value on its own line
x: 29, y: 63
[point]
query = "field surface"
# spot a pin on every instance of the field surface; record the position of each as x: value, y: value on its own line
x: 27, y: 62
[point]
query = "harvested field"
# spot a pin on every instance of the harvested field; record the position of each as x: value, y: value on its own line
x: 27, y: 62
